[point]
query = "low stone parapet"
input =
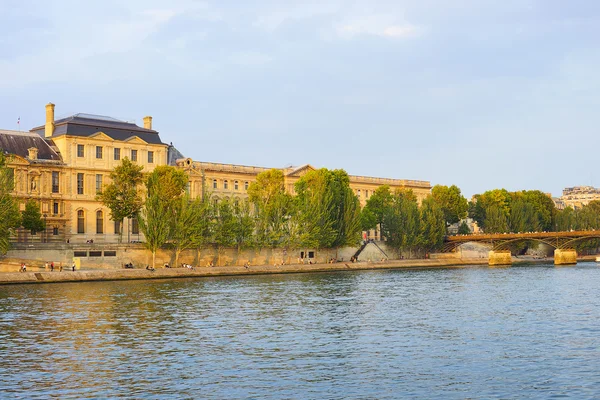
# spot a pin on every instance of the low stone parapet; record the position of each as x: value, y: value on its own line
x: 565, y: 257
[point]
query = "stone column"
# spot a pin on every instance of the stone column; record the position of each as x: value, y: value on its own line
x: 565, y: 257
x: 499, y: 257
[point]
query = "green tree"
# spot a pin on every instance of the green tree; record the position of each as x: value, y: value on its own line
x: 31, y: 217
x: 377, y: 206
x: 224, y: 227
x: 432, y: 225
x: 10, y: 217
x: 273, y: 208
x: 401, y: 222
x: 153, y: 224
x: 453, y: 204
x: 565, y: 220
x: 188, y: 223
x: 244, y: 225
x: 463, y: 228
x: 168, y: 182
x: 523, y: 217
x: 495, y: 220
x: 123, y: 196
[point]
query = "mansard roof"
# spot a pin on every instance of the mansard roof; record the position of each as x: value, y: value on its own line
x: 86, y: 125
x: 19, y: 143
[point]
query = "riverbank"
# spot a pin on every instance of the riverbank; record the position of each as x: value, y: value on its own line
x: 169, y: 273
x: 166, y: 273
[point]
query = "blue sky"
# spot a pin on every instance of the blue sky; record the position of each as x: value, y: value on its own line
x: 481, y: 94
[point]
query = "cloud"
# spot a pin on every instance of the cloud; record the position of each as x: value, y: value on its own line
x: 376, y: 25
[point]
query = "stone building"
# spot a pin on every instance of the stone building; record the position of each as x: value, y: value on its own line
x: 65, y: 163
x: 232, y: 181
x: 579, y: 196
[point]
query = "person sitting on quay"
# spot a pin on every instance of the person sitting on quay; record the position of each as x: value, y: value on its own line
x: 167, y: 265
x: 23, y: 267
x: 149, y: 268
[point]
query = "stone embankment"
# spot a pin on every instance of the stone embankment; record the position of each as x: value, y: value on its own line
x: 67, y: 275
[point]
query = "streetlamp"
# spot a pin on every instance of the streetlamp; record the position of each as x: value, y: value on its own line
x: 45, y: 236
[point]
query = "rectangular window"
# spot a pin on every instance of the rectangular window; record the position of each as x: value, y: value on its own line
x: 55, y: 231
x: 150, y: 157
x: 80, y: 150
x: 117, y: 227
x: 79, y: 183
x: 55, y: 208
x: 98, y: 151
x: 95, y: 253
x: 133, y: 155
x: 80, y: 253
x: 98, y: 183
x: 55, y: 181
x: 117, y: 154
x: 135, y: 226
x: 110, y: 253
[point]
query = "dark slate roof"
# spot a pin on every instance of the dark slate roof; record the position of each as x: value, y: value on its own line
x: 88, y: 124
x: 18, y: 143
x: 173, y: 155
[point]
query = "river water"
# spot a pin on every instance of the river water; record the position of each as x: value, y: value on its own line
x: 476, y: 332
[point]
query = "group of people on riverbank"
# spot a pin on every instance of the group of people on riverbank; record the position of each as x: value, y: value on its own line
x: 48, y: 266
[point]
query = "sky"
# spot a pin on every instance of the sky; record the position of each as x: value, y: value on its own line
x: 477, y: 93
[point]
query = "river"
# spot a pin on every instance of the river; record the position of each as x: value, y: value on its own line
x: 456, y: 333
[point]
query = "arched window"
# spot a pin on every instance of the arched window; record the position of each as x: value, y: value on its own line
x: 225, y: 184
x: 80, y: 221
x: 236, y: 185
x: 215, y: 186
x: 246, y: 184
x: 99, y: 222
x: 358, y: 192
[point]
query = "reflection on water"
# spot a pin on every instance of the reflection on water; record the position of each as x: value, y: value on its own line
x: 518, y: 332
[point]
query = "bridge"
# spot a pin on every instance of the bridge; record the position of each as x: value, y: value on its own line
x: 562, y: 242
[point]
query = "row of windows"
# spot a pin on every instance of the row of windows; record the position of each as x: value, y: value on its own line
x: 236, y: 185
x: 116, y: 153
x: 135, y: 227
x: 80, y: 180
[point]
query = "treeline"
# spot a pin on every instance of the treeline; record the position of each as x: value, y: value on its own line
x: 324, y: 213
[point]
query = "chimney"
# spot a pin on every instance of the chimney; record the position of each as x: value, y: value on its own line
x: 148, y: 122
x: 49, y: 120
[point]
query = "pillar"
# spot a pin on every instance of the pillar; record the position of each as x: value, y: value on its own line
x: 565, y: 257
x: 499, y: 257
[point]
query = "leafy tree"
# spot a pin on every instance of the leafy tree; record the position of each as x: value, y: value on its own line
x: 244, y: 225
x: 188, y: 223
x: 31, y: 217
x: 328, y: 210
x: 432, y: 225
x: 123, y: 196
x: 523, y: 217
x: 495, y: 221
x: 377, y: 206
x: 224, y: 227
x: 544, y: 209
x: 168, y: 182
x: 273, y: 208
x: 10, y: 217
x: 463, y: 228
x: 401, y: 221
x: 453, y: 204
x: 153, y: 224
x: 565, y: 220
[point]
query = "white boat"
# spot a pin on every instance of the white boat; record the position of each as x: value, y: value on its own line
x: 598, y: 259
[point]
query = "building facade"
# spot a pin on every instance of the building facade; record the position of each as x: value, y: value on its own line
x: 65, y: 163
x: 579, y: 196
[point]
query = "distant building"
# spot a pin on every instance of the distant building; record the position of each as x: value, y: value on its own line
x: 579, y: 196
x: 471, y: 224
